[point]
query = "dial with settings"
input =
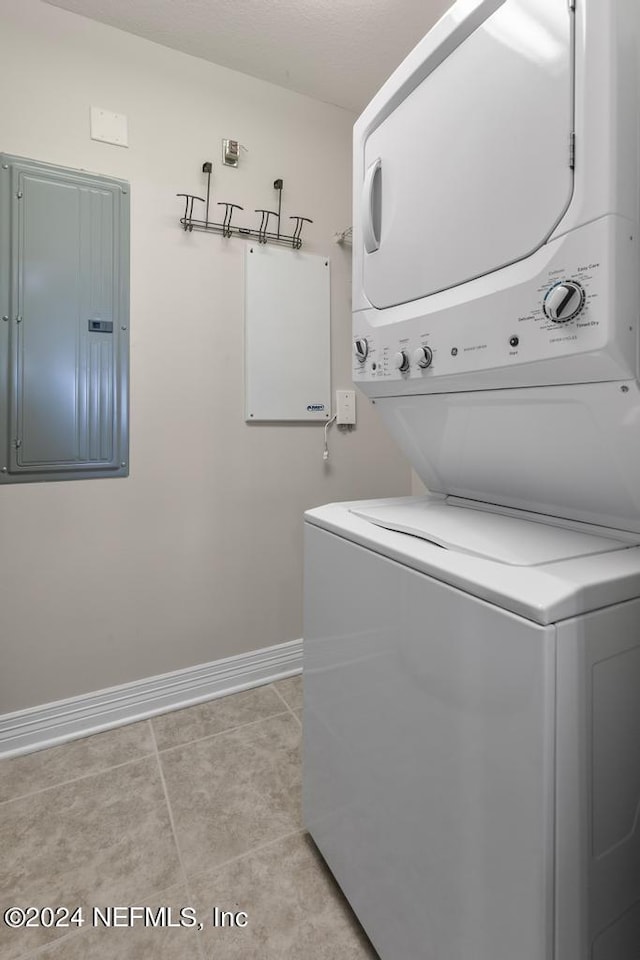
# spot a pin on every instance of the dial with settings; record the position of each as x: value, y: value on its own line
x: 361, y: 349
x: 401, y: 361
x: 564, y: 301
x: 423, y: 356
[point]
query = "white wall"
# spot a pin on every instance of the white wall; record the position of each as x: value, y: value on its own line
x: 197, y: 555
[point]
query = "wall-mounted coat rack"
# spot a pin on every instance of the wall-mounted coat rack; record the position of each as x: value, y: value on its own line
x: 267, y: 232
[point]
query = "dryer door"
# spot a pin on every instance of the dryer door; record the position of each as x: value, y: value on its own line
x: 472, y: 170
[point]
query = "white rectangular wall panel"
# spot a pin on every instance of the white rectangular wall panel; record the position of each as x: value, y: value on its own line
x: 287, y: 335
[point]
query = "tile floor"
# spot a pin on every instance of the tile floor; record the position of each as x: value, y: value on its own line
x: 199, y: 808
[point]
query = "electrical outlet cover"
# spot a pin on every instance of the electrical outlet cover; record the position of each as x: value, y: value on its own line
x: 345, y: 406
x: 109, y: 127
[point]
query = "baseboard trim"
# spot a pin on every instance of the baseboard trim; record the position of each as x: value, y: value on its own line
x: 54, y: 723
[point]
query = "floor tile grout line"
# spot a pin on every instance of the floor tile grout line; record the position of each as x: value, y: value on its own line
x: 144, y: 756
x: 287, y: 705
x: 50, y: 944
x: 200, y: 947
x: 38, y: 951
x: 246, y: 853
x: 85, y: 776
x: 201, y: 874
x: 221, y: 733
x: 156, y: 752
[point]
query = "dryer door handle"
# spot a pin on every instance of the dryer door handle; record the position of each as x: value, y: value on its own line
x: 372, y: 206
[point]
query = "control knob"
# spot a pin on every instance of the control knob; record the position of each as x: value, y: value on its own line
x: 564, y: 301
x: 361, y: 349
x: 423, y: 356
x: 401, y: 361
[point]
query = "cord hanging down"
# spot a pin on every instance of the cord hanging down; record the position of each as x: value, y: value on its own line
x: 325, y: 452
x: 344, y: 237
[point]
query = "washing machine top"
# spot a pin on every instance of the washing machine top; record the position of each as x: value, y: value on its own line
x: 521, y: 540
x: 543, y: 569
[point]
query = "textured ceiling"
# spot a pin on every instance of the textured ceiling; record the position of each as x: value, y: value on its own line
x: 339, y: 51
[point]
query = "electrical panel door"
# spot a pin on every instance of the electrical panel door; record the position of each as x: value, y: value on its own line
x: 64, y: 337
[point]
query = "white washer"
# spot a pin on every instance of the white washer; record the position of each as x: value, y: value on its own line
x: 472, y: 771
x: 472, y: 658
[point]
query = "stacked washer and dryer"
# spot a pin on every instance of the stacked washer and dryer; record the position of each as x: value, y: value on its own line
x: 472, y: 656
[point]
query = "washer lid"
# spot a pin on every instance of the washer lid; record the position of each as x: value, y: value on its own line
x: 499, y: 536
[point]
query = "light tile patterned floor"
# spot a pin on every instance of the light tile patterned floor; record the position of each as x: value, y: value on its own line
x: 200, y: 808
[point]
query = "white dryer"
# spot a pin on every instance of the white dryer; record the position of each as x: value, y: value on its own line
x: 472, y: 657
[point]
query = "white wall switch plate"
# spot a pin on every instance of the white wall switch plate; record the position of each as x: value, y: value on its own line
x: 345, y: 406
x: 109, y: 127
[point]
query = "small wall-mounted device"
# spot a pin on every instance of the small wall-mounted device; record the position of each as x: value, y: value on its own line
x: 101, y: 326
x: 230, y: 152
x: 109, y: 127
x: 345, y: 407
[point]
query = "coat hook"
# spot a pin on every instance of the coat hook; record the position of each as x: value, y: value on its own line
x: 263, y: 234
x: 228, y: 213
x: 187, y: 217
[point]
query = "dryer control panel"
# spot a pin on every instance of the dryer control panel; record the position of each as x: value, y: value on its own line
x: 575, y: 298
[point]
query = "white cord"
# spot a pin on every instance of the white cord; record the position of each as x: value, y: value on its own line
x: 344, y: 236
x: 325, y: 452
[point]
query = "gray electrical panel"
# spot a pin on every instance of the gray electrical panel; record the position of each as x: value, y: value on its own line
x: 64, y: 327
